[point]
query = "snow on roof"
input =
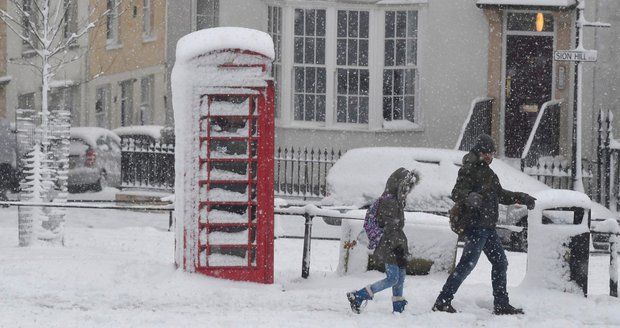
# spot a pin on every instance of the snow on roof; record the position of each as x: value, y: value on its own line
x: 90, y: 134
x: 61, y: 83
x: 538, y: 3
x: 554, y: 198
x: 153, y: 131
x: 359, y: 176
x: 220, y: 38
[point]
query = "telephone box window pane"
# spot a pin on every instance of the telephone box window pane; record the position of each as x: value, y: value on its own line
x: 224, y: 193
x: 224, y: 214
x: 229, y: 127
x: 228, y: 149
x: 229, y: 171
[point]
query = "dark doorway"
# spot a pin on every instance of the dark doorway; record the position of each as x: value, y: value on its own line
x: 529, y: 64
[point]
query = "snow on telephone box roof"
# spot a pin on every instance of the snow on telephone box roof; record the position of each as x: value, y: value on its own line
x: 224, y: 38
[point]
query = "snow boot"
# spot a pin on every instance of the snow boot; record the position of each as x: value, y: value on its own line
x: 507, y: 310
x: 356, y: 298
x: 398, y: 304
x: 443, y: 307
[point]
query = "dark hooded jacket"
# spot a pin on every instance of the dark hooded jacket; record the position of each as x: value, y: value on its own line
x: 476, y: 176
x: 392, y: 248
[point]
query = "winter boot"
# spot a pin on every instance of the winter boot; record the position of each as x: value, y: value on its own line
x: 443, y: 307
x: 507, y: 309
x: 398, y: 304
x: 356, y: 298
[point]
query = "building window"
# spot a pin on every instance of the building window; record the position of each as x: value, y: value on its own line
x: 65, y: 99
x: 274, y: 28
x: 25, y: 101
x: 352, y: 63
x: 309, y: 65
x: 207, y: 13
x: 519, y: 21
x: 399, y: 74
x: 126, y: 102
x: 146, y: 99
x: 102, y: 106
x: 112, y: 22
x: 70, y: 26
x: 147, y: 19
x: 29, y: 23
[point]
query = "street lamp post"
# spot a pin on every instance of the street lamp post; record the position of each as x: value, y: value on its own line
x: 578, y: 55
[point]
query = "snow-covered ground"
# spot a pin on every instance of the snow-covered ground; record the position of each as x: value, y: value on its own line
x: 117, y: 271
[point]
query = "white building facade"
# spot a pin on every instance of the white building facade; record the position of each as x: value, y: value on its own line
x: 405, y: 72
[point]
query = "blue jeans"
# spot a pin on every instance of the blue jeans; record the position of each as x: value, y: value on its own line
x: 395, y: 279
x: 478, y: 240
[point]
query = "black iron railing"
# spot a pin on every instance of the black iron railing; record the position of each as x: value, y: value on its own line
x: 298, y: 172
x: 303, y: 172
x: 544, y: 139
x: 147, y: 165
x: 478, y: 121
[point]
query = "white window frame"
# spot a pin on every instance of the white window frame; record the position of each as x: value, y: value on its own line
x: 348, y: 67
x: 409, y: 64
x: 112, y: 24
x: 274, y: 28
x: 308, y: 67
x: 375, y: 59
x: 70, y: 19
x: 126, y: 102
x: 212, y: 15
x: 147, y: 87
x: 103, y: 94
x: 147, y: 21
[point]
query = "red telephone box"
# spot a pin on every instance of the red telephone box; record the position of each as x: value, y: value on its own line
x: 227, y: 159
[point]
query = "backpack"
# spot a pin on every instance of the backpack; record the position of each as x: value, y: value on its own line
x: 457, y: 223
x: 371, y: 225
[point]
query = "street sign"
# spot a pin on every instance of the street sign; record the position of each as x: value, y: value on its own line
x: 576, y: 55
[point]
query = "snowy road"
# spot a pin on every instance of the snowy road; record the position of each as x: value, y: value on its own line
x: 116, y: 271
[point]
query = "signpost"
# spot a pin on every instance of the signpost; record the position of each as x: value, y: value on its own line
x: 578, y: 55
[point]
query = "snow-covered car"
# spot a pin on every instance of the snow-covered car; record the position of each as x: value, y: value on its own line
x: 359, y: 176
x: 9, y: 172
x: 141, y: 133
x: 94, y: 159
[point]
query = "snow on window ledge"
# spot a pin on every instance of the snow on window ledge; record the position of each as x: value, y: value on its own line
x: 113, y: 45
x: 395, y: 126
x: 401, y: 125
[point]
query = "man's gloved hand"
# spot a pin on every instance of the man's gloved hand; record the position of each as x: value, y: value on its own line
x: 527, y: 200
x: 474, y: 199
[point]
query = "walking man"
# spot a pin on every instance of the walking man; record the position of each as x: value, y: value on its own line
x: 478, y: 193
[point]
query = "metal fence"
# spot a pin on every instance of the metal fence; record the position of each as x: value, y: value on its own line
x: 478, y: 121
x: 147, y: 165
x: 555, y: 172
x: 298, y: 172
x: 302, y: 172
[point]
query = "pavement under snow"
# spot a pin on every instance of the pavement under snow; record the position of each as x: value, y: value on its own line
x: 117, y: 270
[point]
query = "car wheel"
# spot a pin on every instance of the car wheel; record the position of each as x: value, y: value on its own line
x: 518, y: 240
x: 103, y: 181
